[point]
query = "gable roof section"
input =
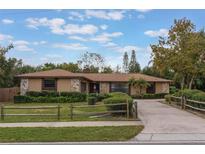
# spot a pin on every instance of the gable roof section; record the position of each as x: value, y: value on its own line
x: 56, y: 73
x: 102, y: 77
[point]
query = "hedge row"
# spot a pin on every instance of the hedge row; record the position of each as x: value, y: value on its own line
x: 51, y: 97
x: 116, y: 98
x: 99, y: 97
x: 53, y: 94
x: 194, y: 94
x: 191, y: 94
x: 149, y: 96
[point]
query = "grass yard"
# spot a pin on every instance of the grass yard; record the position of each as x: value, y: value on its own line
x: 68, y: 134
x: 65, y: 110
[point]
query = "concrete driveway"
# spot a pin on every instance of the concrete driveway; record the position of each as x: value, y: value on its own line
x: 166, y: 124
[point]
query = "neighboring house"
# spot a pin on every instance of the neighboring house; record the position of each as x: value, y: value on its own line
x: 61, y: 80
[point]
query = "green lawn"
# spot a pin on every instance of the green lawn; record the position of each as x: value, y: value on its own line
x: 69, y: 134
x: 65, y: 110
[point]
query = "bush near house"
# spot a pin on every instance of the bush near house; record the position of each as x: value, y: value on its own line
x: 149, y: 96
x: 43, y: 93
x: 193, y: 94
x: 172, y: 89
x: 99, y: 97
x: 117, y: 98
x: 51, y: 97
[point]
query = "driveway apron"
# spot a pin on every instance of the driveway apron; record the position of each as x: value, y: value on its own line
x: 164, y: 123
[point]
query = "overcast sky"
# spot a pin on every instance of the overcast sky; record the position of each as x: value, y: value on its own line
x: 58, y: 36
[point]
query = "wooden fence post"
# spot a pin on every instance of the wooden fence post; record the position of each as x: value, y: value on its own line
x: 2, y: 112
x: 71, y: 111
x: 136, y: 110
x: 185, y: 102
x: 182, y: 102
x: 58, y: 112
x: 128, y: 113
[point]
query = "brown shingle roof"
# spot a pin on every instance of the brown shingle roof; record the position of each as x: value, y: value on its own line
x: 103, y: 77
x: 58, y: 73
x: 121, y: 77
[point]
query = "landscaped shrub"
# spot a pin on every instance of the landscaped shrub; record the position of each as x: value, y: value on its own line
x: 116, y: 94
x: 99, y: 97
x: 51, y: 97
x: 149, y: 96
x: 50, y: 93
x: 168, y: 98
x: 172, y: 89
x: 191, y: 94
x: 92, y: 100
x: 198, y: 96
x: 34, y: 93
x: 41, y: 99
x: 75, y: 96
x: 118, y: 98
x: 43, y: 93
x: 102, y: 96
x: 22, y: 99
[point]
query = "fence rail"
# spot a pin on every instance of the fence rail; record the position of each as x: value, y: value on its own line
x: 185, y: 103
x: 4, y: 108
x: 126, y: 110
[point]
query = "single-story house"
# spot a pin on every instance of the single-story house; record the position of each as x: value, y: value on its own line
x: 65, y: 81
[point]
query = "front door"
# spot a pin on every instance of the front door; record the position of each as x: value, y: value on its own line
x: 151, y: 88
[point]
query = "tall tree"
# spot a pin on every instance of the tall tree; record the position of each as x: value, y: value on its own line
x: 125, y: 63
x: 72, y: 67
x: 8, y: 67
x: 91, y: 60
x: 107, y: 69
x: 90, y: 69
x: 118, y: 69
x: 182, y: 52
x: 134, y: 67
x: 48, y: 66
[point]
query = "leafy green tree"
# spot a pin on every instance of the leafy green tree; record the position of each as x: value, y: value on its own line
x: 150, y: 71
x: 107, y: 69
x: 134, y: 67
x: 90, y: 69
x: 72, y: 67
x: 182, y: 52
x: 125, y: 63
x: 25, y: 69
x: 90, y: 61
x: 48, y: 66
x: 8, y: 67
x: 138, y: 83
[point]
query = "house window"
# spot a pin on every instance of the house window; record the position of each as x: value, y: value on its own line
x: 151, y: 88
x: 49, y: 84
x: 119, y: 87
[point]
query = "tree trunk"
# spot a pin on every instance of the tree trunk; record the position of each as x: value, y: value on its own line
x: 140, y: 91
x: 191, y: 82
x: 182, y: 83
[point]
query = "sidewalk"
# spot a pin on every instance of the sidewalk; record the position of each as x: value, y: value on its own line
x: 72, y: 124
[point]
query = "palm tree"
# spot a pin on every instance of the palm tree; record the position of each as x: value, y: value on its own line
x: 141, y: 83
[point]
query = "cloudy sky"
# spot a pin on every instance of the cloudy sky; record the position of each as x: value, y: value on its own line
x: 58, y: 36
